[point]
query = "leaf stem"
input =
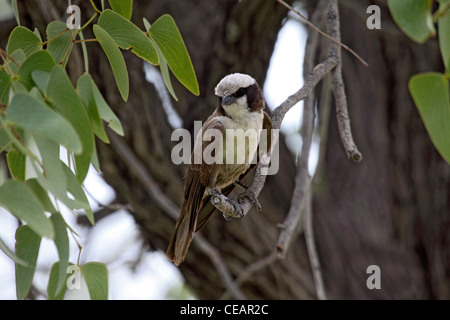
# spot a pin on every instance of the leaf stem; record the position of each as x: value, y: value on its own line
x: 3, y: 53
x: 88, y: 22
x: 84, y: 40
x: 95, y: 7
x: 54, y: 37
x: 442, y: 11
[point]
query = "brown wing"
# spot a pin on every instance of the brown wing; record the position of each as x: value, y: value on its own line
x: 199, y: 176
x: 206, y: 209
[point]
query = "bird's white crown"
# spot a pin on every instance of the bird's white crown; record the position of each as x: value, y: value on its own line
x: 232, y: 82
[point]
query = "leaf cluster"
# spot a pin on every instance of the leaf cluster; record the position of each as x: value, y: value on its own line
x: 430, y: 90
x: 43, y: 114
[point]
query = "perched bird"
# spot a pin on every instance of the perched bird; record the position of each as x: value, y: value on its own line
x: 240, y: 107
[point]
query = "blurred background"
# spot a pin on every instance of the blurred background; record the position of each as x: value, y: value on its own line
x: 391, y: 210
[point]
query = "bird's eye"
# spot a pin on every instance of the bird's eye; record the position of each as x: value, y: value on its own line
x: 240, y: 93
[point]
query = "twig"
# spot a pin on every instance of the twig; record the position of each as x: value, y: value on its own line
x: 284, y: 4
x: 338, y: 86
x: 302, y: 179
x: 312, y: 252
x: 302, y: 197
x: 164, y: 203
x: 251, y: 269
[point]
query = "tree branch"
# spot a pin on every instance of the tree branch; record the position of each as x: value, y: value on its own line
x: 338, y: 86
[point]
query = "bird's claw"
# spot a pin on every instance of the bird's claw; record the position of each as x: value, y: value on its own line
x: 250, y: 195
x: 237, y: 211
x: 237, y: 214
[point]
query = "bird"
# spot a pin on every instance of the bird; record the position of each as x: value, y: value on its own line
x: 240, y: 107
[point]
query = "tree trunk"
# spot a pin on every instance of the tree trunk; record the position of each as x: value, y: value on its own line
x: 392, y: 209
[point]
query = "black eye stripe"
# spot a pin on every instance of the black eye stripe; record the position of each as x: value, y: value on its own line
x: 241, y: 92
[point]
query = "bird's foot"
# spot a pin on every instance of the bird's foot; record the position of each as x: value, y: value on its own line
x: 250, y: 195
x: 240, y: 184
x: 229, y: 208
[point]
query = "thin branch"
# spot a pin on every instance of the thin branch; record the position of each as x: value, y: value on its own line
x: 311, y: 247
x: 164, y: 203
x: 338, y: 86
x: 284, y: 4
x: 251, y: 269
x: 302, y: 179
x: 302, y: 196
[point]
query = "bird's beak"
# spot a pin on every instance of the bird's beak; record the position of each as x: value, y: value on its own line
x: 227, y: 100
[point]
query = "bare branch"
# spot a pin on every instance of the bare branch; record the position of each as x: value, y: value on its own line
x: 338, y: 86
x: 302, y: 179
x: 302, y: 196
x: 251, y: 269
x: 311, y: 247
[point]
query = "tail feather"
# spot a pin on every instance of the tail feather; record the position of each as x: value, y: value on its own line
x: 186, y: 225
x: 180, y: 241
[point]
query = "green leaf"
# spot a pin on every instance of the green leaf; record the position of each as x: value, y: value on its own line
x: 75, y: 189
x: 128, y: 36
x: 122, y: 7
x: 41, y: 79
x: 62, y: 245
x: 96, y: 276
x: 36, y: 32
x: 414, y: 18
x: 105, y: 111
x: 11, y: 254
x: 85, y: 91
x: 25, y: 39
x: 16, y: 164
x: 165, y: 33
x: 20, y: 202
x: 5, y: 141
x: 430, y: 92
x: 52, y: 287
x: 115, y: 59
x: 41, y: 60
x: 35, y: 117
x: 16, y: 12
x: 444, y: 32
x: 53, y: 171
x: 5, y: 87
x: 41, y: 194
x: 65, y: 100
x: 61, y: 45
x: 162, y: 65
x: 14, y: 61
x: 27, y: 249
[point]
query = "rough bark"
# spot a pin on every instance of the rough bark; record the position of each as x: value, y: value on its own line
x: 392, y: 209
